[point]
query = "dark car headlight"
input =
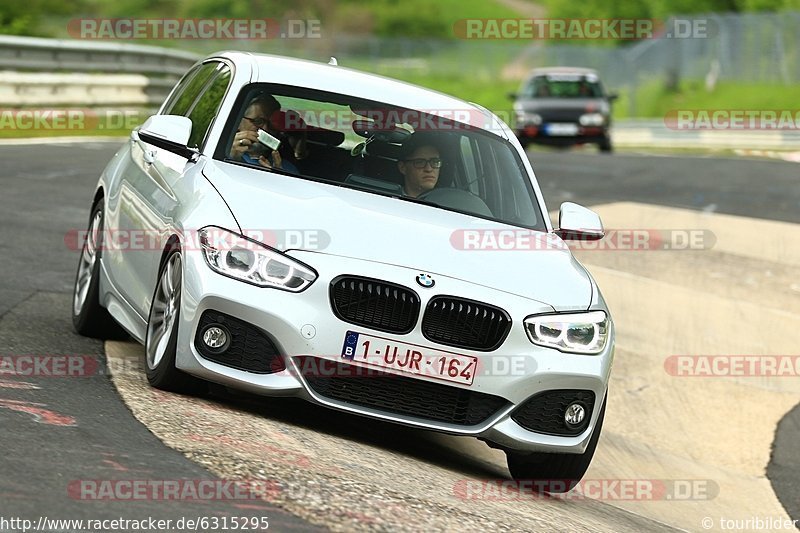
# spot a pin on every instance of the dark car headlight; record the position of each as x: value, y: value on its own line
x: 592, y: 119
x: 238, y: 257
x: 524, y: 117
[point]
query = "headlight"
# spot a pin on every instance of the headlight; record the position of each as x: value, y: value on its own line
x: 592, y: 119
x: 524, y: 118
x: 244, y: 259
x: 577, y: 333
x: 533, y: 118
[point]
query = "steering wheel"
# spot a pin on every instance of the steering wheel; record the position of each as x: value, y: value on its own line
x: 457, y: 199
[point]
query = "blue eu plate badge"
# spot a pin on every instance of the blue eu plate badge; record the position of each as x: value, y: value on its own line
x: 350, y: 343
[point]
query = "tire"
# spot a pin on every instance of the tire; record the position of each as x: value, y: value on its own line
x: 605, y: 145
x: 89, y: 318
x: 161, y: 340
x: 557, y: 471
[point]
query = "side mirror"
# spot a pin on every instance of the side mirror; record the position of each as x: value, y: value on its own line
x: 578, y: 223
x: 170, y: 132
x: 612, y: 96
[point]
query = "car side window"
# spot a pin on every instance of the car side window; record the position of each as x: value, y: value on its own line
x: 179, y: 88
x: 207, y: 105
x: 188, y: 89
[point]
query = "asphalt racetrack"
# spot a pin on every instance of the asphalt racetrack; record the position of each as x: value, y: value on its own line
x: 703, y: 452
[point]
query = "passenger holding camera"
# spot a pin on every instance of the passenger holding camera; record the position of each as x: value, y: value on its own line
x: 246, y: 146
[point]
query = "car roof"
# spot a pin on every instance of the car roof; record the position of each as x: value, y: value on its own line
x: 561, y: 70
x: 342, y: 80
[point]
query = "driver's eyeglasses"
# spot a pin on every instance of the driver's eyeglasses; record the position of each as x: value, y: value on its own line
x: 434, y: 162
x: 257, y: 122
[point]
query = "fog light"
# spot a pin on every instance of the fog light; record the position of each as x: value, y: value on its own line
x: 216, y: 338
x: 574, y: 414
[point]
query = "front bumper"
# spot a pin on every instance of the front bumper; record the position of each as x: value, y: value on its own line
x: 303, y: 324
x: 582, y: 135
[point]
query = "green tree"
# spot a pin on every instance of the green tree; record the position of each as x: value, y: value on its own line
x: 24, y: 18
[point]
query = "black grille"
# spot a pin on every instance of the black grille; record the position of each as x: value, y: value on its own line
x: 465, y: 323
x: 249, y: 349
x: 400, y: 395
x: 375, y: 304
x: 560, y: 114
x: 544, y: 412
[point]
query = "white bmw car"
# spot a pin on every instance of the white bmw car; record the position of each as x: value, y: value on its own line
x: 302, y: 229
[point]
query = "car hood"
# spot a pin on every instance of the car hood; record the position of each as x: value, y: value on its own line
x: 298, y: 214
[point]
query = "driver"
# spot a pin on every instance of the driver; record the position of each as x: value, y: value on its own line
x: 419, y: 164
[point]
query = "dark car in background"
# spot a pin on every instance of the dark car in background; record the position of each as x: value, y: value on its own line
x: 563, y: 106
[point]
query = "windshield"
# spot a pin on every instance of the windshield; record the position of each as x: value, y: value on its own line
x: 380, y: 149
x: 564, y: 86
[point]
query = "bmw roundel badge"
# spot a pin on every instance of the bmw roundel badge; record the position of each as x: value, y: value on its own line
x: 425, y: 281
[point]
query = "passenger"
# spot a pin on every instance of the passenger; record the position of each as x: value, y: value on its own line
x: 245, y: 143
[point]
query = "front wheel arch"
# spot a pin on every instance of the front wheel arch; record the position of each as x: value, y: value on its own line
x: 164, y: 374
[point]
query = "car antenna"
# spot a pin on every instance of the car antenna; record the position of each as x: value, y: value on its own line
x: 333, y: 62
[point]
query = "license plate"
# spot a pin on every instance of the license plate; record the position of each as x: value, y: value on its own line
x: 372, y: 351
x: 563, y: 130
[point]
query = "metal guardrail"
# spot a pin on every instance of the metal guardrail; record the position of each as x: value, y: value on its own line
x: 39, y: 89
x: 53, y: 72
x: 54, y: 55
x: 655, y: 133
